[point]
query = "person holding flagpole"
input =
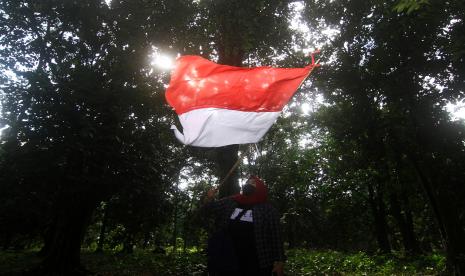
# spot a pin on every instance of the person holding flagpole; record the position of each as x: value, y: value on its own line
x: 220, y: 105
x: 246, y: 238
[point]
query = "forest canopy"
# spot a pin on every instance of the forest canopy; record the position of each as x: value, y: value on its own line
x: 365, y: 159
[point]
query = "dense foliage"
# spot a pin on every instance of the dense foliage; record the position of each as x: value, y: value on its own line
x: 300, y: 262
x: 87, y: 159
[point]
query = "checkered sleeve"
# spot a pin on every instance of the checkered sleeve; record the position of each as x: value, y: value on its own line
x: 218, y: 211
x: 276, y: 241
x: 214, y: 207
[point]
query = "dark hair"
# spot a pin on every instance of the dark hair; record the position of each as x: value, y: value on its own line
x: 248, y: 189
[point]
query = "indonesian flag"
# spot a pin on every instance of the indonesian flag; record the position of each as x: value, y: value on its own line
x: 220, y: 105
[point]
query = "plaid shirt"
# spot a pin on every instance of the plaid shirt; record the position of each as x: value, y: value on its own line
x: 266, y: 228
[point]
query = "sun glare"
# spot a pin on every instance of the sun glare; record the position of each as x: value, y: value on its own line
x: 164, y: 62
x: 456, y: 110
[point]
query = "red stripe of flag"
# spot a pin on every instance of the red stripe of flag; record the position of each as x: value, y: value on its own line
x: 199, y: 83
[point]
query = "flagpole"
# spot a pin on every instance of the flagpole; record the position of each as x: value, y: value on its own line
x: 314, y: 64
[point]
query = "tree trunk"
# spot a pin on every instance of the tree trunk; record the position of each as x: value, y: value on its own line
x: 405, y: 224
x: 48, y: 237
x: 448, y: 220
x: 6, y: 241
x: 226, y: 158
x: 147, y: 239
x: 455, y: 243
x: 379, y: 214
x: 63, y: 243
x: 230, y: 52
x: 291, y: 230
x: 128, y: 244
x: 175, y: 223
x: 102, y: 236
x: 187, y: 220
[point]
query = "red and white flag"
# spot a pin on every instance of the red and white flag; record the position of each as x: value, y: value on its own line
x: 220, y: 105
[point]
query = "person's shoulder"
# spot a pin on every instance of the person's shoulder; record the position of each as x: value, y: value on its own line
x: 228, y: 201
x: 266, y: 206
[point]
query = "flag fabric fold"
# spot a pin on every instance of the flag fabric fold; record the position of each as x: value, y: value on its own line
x: 220, y: 105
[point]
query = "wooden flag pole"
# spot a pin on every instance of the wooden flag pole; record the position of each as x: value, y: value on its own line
x: 314, y: 64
